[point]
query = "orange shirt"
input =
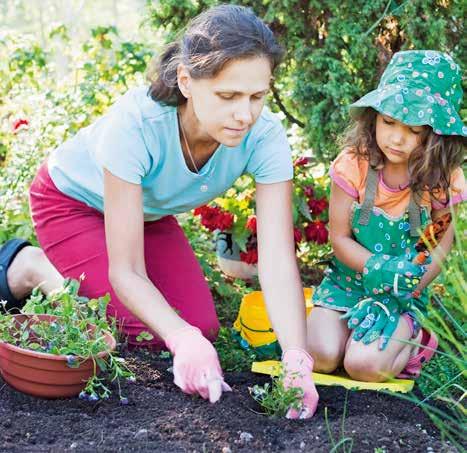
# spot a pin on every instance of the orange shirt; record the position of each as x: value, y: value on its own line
x: 349, y: 173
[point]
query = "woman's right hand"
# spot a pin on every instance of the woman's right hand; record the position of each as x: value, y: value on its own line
x: 298, y: 368
x: 196, y: 365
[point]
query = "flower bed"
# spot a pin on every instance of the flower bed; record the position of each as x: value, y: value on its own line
x: 233, y: 213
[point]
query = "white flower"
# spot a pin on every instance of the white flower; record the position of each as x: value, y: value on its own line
x: 431, y: 58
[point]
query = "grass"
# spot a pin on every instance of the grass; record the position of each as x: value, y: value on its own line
x: 443, y: 382
x: 231, y: 355
x: 345, y: 443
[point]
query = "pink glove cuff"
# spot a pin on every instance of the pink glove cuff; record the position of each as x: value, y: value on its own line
x: 174, y: 338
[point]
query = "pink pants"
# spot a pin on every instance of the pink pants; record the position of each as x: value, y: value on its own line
x: 73, y: 238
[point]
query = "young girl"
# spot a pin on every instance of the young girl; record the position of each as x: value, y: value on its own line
x: 163, y: 150
x: 400, y: 165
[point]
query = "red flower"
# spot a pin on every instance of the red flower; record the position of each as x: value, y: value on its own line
x: 317, y: 206
x: 201, y: 210
x: 316, y: 231
x: 301, y: 161
x: 225, y: 221
x: 251, y: 224
x: 18, y: 123
x: 297, y: 235
x: 309, y: 192
x: 250, y: 256
x: 214, y: 218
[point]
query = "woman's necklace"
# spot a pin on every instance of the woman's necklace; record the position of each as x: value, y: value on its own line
x: 203, y: 187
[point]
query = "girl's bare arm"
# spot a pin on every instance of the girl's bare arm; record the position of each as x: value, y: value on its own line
x: 346, y: 249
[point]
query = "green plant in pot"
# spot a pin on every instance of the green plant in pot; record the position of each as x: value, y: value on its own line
x: 59, y: 345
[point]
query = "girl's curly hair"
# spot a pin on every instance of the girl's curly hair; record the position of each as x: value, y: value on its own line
x: 431, y: 164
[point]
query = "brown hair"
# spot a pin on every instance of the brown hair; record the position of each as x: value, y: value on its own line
x: 212, y: 39
x: 431, y: 164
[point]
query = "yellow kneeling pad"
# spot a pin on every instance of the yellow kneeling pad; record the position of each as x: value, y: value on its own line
x: 272, y: 368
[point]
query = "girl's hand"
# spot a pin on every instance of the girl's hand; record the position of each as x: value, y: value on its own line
x: 298, y: 368
x: 359, y: 312
x: 374, y: 318
x: 196, y: 365
x: 386, y: 317
x: 385, y: 274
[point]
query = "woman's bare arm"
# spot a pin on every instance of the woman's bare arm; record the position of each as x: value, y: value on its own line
x: 277, y: 264
x: 124, y: 230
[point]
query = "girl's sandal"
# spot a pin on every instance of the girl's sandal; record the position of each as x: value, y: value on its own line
x: 427, y: 348
x: 8, y: 252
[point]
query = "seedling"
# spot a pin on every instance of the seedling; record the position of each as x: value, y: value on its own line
x: 144, y: 336
x: 275, y: 399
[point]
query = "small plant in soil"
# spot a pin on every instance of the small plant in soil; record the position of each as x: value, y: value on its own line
x: 144, y: 336
x: 345, y: 443
x: 275, y: 399
x: 78, y: 332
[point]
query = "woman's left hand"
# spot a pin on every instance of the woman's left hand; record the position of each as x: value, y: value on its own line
x: 298, y: 368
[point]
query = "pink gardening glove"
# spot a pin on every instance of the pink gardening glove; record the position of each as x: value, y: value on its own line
x: 196, y: 366
x: 298, y: 366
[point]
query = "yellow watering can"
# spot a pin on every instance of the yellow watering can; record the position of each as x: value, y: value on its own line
x: 253, y: 328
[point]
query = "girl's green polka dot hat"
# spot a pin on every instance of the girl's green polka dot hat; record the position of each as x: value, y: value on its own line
x: 419, y: 87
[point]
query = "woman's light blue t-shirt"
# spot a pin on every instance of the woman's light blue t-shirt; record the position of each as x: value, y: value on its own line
x: 138, y: 141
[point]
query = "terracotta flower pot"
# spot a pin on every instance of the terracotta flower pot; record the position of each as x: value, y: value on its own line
x: 42, y: 374
x: 228, y: 258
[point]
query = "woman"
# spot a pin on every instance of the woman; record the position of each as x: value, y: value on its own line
x: 165, y: 151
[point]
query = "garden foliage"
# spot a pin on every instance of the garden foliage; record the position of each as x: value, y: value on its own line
x: 48, y: 94
x: 78, y: 333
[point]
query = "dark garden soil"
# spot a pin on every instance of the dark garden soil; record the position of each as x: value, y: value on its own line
x: 159, y: 417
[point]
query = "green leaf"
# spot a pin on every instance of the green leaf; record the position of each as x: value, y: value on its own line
x: 295, y: 214
x: 34, y: 346
x: 102, y: 364
x: 304, y: 208
x: 93, y: 304
x: 144, y: 336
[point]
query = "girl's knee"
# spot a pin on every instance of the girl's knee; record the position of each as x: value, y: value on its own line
x: 326, y: 359
x: 366, y: 367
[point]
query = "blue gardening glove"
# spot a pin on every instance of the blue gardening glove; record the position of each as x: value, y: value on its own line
x: 396, y: 275
x: 358, y: 313
x: 374, y: 318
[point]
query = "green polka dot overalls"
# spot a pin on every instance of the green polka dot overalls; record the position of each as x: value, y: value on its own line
x: 378, y: 232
